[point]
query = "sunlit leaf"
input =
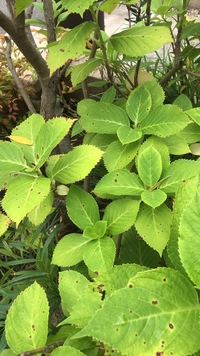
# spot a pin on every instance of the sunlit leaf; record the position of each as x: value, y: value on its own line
x: 4, y: 223
x: 154, y: 225
x: 27, y: 320
x: 21, y: 139
x: 76, y: 6
x: 24, y: 193
x: 99, y: 254
x: 71, y: 45
x: 69, y: 250
x: 136, y: 41
x: 120, y: 215
x: 160, y: 299
x: 82, y: 208
x: 76, y: 164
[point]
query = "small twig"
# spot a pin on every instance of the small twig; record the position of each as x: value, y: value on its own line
x: 7, y: 54
x: 189, y: 72
x: 104, y: 53
x: 148, y: 13
x: 44, y: 349
x: 137, y: 67
x: 177, y: 50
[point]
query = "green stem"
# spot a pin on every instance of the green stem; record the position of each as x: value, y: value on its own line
x: 104, y: 53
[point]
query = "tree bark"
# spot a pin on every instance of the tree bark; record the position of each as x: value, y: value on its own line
x: 16, y: 29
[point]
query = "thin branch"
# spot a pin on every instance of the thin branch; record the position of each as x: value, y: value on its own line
x: 148, y: 13
x: 45, y: 349
x: 17, y: 32
x: 7, y: 54
x: 177, y: 50
x: 104, y: 53
x: 137, y: 67
x: 189, y: 72
x: 49, y: 18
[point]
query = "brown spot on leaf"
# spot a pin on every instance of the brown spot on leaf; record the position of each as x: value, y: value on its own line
x: 116, y: 180
x: 171, y: 326
x: 130, y: 286
x: 61, y: 50
x: 159, y: 353
x: 164, y: 280
x: 154, y: 302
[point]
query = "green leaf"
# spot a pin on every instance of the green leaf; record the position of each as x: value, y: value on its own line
x: 191, y: 133
x: 100, y: 117
x: 71, y: 45
x: 156, y: 91
x: 49, y: 136
x: 40, y: 212
x: 96, y: 231
x: 99, y: 140
x: 120, y: 182
x: 138, y: 104
x: 135, y: 250
x: 147, y: 319
x: 120, y: 215
x: 27, y: 320
x: 4, y: 223
x: 117, y: 277
x: 99, y: 254
x: 153, y: 225
x: 109, y: 5
x: 137, y: 42
x: 164, y: 121
x: 82, y: 208
x: 153, y: 198
x: 183, y: 102
x: 194, y: 115
x: 7, y: 353
x: 177, y: 172
x: 71, y: 287
x: 184, y: 195
x: 189, y: 242
x: 192, y: 29
x: 77, y: 6
x: 109, y: 95
x: 81, y: 71
x: 21, y: 5
x: 66, y: 350
x: 11, y: 158
x: 160, y: 146
x: 149, y: 166
x: 69, y: 250
x: 118, y: 156
x: 29, y: 128
x: 127, y: 135
x: 76, y: 164
x: 86, y: 306
x: 177, y: 145
x: 24, y: 193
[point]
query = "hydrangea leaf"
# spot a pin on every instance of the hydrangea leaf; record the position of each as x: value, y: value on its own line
x: 160, y: 299
x: 24, y: 193
x: 136, y: 41
x: 26, y: 324
x: 154, y: 225
x: 82, y: 208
